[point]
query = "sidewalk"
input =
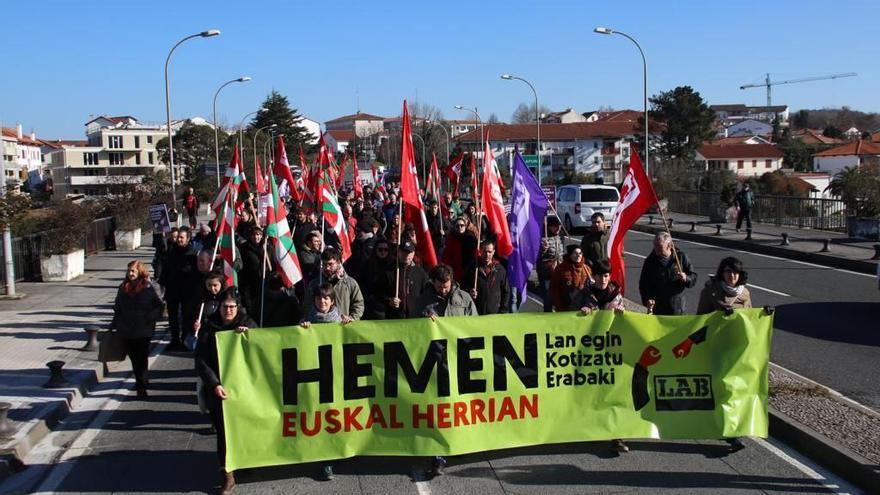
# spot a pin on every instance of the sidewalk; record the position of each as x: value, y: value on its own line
x: 804, y: 244
x: 48, y: 324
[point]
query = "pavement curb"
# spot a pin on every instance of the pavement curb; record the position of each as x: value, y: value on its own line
x: 834, y: 456
x: 860, y: 266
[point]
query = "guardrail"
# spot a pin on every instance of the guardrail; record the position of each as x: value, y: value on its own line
x: 788, y: 211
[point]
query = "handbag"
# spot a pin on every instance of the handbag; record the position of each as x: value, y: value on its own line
x: 112, y: 347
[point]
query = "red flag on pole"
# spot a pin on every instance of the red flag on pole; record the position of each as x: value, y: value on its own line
x: 259, y: 180
x: 304, y: 178
x: 282, y: 166
x: 636, y: 196
x: 316, y: 175
x: 414, y: 210
x: 356, y: 176
x: 493, y: 203
x: 340, y: 173
x: 333, y: 216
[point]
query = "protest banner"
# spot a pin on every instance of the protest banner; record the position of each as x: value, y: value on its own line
x: 159, y: 218
x: 468, y: 384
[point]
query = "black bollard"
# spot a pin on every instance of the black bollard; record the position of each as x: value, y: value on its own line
x: 825, y: 244
x: 693, y: 226
x: 56, y: 379
x: 748, y: 234
x: 670, y: 223
x: 785, y: 239
x: 91, y: 338
x: 6, y: 429
x: 717, y: 229
x: 650, y: 219
x: 876, y: 252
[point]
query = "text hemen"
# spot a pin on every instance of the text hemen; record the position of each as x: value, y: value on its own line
x: 396, y: 358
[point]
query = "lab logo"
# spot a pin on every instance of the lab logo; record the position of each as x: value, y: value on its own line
x: 683, y: 393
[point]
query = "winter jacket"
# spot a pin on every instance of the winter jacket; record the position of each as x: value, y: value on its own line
x: 373, y: 275
x: 493, y: 289
x: 309, y: 262
x: 661, y: 283
x: 456, y: 303
x: 361, y: 250
x: 135, y: 313
x: 281, y: 308
x: 413, y: 280
x: 207, y: 363
x: 568, y: 278
x: 436, y: 224
x: 349, y: 298
x: 460, y: 252
x: 713, y: 297
x: 180, y: 274
x: 594, y: 245
x: 595, y: 298
x: 550, y: 256
x: 300, y: 231
x: 745, y: 199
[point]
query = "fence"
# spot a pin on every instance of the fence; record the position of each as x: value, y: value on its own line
x: 26, y: 250
x: 788, y: 211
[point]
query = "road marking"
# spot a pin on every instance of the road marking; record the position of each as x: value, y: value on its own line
x: 805, y: 263
x: 798, y: 461
x: 636, y: 255
x: 423, y: 487
x: 783, y: 294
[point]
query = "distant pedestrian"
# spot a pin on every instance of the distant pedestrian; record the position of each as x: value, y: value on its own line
x: 727, y: 289
x: 662, y: 282
x: 228, y: 317
x: 191, y: 206
x: 135, y: 311
x: 744, y: 199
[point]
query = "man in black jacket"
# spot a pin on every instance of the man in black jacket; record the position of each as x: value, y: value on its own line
x: 492, y: 290
x: 250, y: 278
x: 438, y: 226
x: 180, y: 278
x: 663, y: 281
x: 409, y: 283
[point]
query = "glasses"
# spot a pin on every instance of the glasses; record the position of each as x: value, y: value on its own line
x: 228, y: 307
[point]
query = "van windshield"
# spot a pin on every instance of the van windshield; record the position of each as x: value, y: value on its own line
x: 599, y: 195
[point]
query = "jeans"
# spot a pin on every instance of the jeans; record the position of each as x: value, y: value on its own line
x: 744, y: 213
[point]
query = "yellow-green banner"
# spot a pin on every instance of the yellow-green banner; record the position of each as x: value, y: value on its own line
x: 468, y: 384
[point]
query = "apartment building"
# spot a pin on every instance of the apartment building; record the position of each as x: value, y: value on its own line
x: 22, y: 159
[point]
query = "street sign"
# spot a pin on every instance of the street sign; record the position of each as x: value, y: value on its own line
x: 531, y: 161
x: 159, y: 218
x: 550, y: 191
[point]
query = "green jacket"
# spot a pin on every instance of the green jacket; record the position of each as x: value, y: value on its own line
x: 456, y: 303
x: 595, y: 246
x: 349, y: 298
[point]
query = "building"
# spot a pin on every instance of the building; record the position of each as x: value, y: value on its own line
x: 745, y: 160
x: 116, y: 150
x: 313, y: 128
x: 848, y: 155
x: 567, y: 116
x: 738, y: 112
x: 22, y: 158
x: 814, y: 137
x: 598, y: 148
x: 748, y: 127
x: 741, y: 140
x: 459, y: 127
x: 338, y: 140
x: 818, y: 182
x: 363, y: 124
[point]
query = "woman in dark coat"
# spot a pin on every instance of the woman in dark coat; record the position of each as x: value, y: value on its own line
x: 135, y: 311
x: 229, y: 316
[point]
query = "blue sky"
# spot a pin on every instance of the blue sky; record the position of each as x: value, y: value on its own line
x: 66, y: 60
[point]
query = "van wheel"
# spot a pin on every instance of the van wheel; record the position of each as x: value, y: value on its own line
x: 568, y: 225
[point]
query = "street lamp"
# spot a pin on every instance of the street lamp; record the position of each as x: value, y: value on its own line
x: 508, y: 77
x: 270, y: 126
x: 216, y: 138
x: 604, y: 30
x: 204, y: 34
x: 424, y: 174
x: 445, y: 131
x: 240, y: 126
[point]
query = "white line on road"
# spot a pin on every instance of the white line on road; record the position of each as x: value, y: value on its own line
x: 636, y: 255
x: 783, y: 294
x: 799, y: 462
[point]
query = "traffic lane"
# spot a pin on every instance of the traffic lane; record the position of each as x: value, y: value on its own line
x: 834, y: 342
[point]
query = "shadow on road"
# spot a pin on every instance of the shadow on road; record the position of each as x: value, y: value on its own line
x: 849, y: 322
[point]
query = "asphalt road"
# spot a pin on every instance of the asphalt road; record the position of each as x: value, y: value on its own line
x: 826, y: 323
x: 164, y: 446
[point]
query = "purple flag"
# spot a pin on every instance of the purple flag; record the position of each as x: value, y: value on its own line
x: 528, y: 208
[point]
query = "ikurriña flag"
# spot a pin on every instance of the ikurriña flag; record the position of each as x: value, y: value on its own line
x: 333, y: 216
x: 278, y: 234
x: 636, y: 196
x: 528, y: 208
x: 413, y: 208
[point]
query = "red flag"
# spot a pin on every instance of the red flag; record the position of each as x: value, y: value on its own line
x: 378, y: 186
x: 282, y: 166
x: 316, y: 175
x: 414, y: 210
x: 232, y: 183
x: 493, y: 204
x: 636, y: 196
x: 340, y: 173
x: 358, y: 187
x: 259, y: 180
x: 453, y: 170
x: 303, y: 181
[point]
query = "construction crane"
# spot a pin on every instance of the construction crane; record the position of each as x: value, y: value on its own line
x: 767, y: 82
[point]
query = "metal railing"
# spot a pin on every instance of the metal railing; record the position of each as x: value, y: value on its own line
x: 788, y: 211
x: 26, y: 250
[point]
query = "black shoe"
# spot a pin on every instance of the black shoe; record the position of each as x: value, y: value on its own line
x: 736, y: 444
x: 438, y: 464
x: 620, y: 447
x: 326, y: 473
x: 142, y: 393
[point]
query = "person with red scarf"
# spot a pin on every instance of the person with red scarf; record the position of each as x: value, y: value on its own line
x: 135, y: 311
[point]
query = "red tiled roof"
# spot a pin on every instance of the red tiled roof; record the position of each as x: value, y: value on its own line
x: 60, y: 143
x: 875, y: 138
x: 342, y: 135
x: 809, y: 136
x: 356, y: 116
x: 860, y: 147
x: 620, y: 116
x: 553, y: 132
x: 719, y: 151
x: 25, y: 139
x: 732, y: 140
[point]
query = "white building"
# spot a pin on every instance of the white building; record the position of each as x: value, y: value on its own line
x: 567, y: 116
x: 848, y: 155
x: 745, y: 160
x: 22, y: 157
x: 338, y: 140
x: 313, y: 128
x: 117, y: 150
x: 459, y: 127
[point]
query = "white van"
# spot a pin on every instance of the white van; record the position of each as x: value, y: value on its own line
x: 576, y: 203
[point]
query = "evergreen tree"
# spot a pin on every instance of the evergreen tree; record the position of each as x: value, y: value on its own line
x: 688, y: 122
x: 287, y: 120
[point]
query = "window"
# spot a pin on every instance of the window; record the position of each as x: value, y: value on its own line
x: 150, y: 157
x: 137, y: 158
x: 768, y: 163
x: 599, y: 195
x: 90, y: 158
x: 114, y: 142
x: 149, y: 139
x: 137, y: 141
x: 754, y: 163
x: 115, y: 158
x: 739, y: 164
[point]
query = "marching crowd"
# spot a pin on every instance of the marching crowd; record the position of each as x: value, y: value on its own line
x: 383, y: 278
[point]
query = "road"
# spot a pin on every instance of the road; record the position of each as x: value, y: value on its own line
x: 825, y: 327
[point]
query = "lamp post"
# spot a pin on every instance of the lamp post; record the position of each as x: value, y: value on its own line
x: 480, y: 120
x: 508, y: 77
x: 204, y: 34
x: 604, y: 30
x: 424, y: 174
x: 240, y: 126
x: 216, y: 138
x: 270, y: 126
x: 440, y: 124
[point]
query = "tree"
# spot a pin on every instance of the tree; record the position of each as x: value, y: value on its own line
x: 287, y: 121
x: 525, y: 113
x: 688, y: 122
x: 859, y: 186
x: 798, y: 155
x: 13, y: 208
x: 832, y: 132
x: 193, y: 150
x: 493, y: 118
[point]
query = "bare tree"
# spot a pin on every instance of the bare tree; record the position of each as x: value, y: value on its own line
x: 525, y: 113
x: 493, y: 118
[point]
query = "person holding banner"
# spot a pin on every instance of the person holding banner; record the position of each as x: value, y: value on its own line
x: 665, y: 275
x: 228, y: 317
x: 490, y: 289
x: 349, y: 297
x: 443, y: 297
x: 727, y: 289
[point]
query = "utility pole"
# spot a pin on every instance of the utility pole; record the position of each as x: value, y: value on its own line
x: 7, y: 234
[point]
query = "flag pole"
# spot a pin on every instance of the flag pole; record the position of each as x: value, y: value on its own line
x: 666, y: 226
x: 399, y: 236
x: 263, y: 286
x: 213, y: 258
x: 479, y: 216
